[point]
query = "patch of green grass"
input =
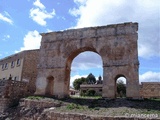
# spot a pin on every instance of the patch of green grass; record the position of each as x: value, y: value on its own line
x: 87, y: 97
x: 35, y: 97
x: 74, y: 106
x: 155, y: 99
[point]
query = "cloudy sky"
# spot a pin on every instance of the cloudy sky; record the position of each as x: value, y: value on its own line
x: 22, y: 21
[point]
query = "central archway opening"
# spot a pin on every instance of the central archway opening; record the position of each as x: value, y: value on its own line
x: 86, y: 69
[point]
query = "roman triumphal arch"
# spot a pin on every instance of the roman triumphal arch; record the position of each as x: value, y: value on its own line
x: 116, y: 44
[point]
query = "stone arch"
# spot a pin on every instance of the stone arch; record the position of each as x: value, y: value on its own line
x: 116, y: 44
x: 69, y: 61
x: 50, y: 85
x: 116, y: 78
x: 77, y: 52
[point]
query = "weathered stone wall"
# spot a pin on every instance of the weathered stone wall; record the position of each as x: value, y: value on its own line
x: 4, y: 104
x: 11, y: 91
x: 50, y: 114
x: 116, y: 44
x: 26, y: 70
x: 27, y: 103
x: 150, y: 90
x: 29, y: 71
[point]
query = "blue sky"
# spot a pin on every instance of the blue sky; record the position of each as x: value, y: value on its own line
x: 22, y: 21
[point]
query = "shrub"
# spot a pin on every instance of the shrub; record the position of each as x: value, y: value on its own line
x: 90, y: 93
x: 73, y: 106
x: 34, y: 97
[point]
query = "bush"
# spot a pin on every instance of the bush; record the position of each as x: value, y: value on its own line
x: 82, y: 93
x: 34, y: 97
x: 73, y: 106
x: 90, y: 93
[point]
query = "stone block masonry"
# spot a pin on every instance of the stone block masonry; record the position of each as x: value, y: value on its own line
x: 4, y: 104
x: 116, y: 44
x: 38, y: 103
x: 10, y: 93
x: 51, y: 114
x: 150, y: 90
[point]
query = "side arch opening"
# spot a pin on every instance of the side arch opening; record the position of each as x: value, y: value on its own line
x: 50, y: 86
x: 120, y: 86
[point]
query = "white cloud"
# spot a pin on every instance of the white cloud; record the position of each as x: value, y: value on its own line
x: 5, y: 18
x: 82, y: 2
x: 86, y: 60
x: 123, y: 79
x: 49, y: 30
x: 75, y: 12
x: 6, y: 37
x: 39, y: 14
x: 39, y: 4
x: 145, y: 12
x: 31, y: 41
x: 75, y: 77
x: 7, y: 14
x: 150, y: 77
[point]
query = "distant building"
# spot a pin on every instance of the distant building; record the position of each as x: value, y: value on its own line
x: 97, y: 88
x: 20, y: 67
x: 72, y: 91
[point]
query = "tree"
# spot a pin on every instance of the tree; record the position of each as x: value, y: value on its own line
x: 91, y: 79
x: 121, y: 88
x: 78, y: 82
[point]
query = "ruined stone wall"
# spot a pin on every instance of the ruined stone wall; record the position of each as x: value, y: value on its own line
x: 50, y: 114
x: 4, y: 104
x: 116, y: 44
x: 29, y: 72
x: 11, y: 91
x: 26, y: 70
x: 150, y: 90
x: 2, y: 88
x: 27, y: 103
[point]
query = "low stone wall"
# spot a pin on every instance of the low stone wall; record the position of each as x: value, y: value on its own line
x: 150, y: 89
x: 10, y: 93
x: 51, y: 114
x: 4, y: 104
x: 13, y: 89
x: 38, y: 103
